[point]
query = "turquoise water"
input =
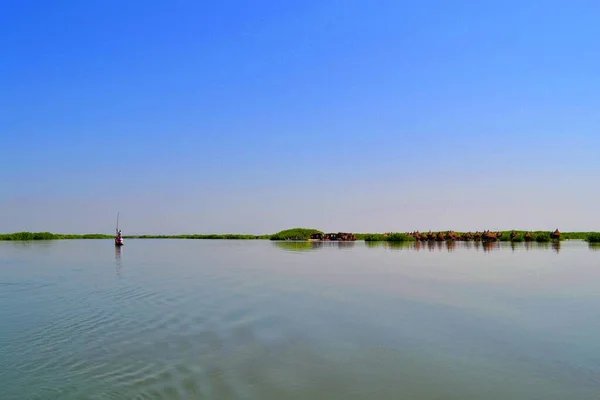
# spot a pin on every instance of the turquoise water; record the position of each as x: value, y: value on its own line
x: 202, y: 319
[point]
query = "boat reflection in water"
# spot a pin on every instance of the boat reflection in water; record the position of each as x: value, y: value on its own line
x: 451, y: 246
x: 556, y: 246
x: 118, y: 261
x: 429, y: 246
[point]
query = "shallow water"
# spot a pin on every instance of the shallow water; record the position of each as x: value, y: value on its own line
x: 196, y: 319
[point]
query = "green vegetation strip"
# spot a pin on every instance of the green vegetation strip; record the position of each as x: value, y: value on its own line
x: 54, y: 236
x: 201, y: 236
x: 392, y: 237
x: 50, y: 236
x: 296, y: 234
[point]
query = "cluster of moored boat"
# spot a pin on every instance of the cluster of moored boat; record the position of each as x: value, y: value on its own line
x: 340, y: 237
x: 485, y: 236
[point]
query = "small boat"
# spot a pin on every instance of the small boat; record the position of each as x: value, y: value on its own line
x: 118, y: 238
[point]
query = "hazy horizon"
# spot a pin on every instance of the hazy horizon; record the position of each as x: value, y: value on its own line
x: 253, y: 117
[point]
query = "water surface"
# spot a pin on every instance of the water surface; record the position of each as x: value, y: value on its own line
x: 217, y: 319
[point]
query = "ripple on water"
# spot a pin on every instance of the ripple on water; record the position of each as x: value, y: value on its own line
x: 241, y: 328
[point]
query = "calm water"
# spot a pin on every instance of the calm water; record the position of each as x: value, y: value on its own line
x: 200, y: 319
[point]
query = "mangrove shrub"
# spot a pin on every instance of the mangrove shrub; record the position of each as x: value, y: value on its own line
x: 29, y: 236
x: 391, y: 237
x: 594, y: 237
x: 518, y: 238
x: 295, y: 234
x: 542, y: 237
x: 373, y: 237
x: 399, y: 237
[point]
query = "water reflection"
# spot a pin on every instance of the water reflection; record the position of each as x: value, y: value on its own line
x: 22, y: 244
x: 392, y: 245
x: 25, y: 244
x: 290, y: 245
x: 489, y: 246
x: 430, y: 246
x: 451, y: 246
x: 594, y: 246
x: 225, y: 320
x: 118, y: 261
x: 556, y: 246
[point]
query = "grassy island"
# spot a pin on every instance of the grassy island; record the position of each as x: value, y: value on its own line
x: 295, y: 234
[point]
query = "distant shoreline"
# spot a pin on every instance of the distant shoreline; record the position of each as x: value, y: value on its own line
x: 289, y: 234
x: 27, y: 236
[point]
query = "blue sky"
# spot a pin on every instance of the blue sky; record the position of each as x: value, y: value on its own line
x: 255, y: 116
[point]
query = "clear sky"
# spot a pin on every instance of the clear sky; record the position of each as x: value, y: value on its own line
x: 256, y: 116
